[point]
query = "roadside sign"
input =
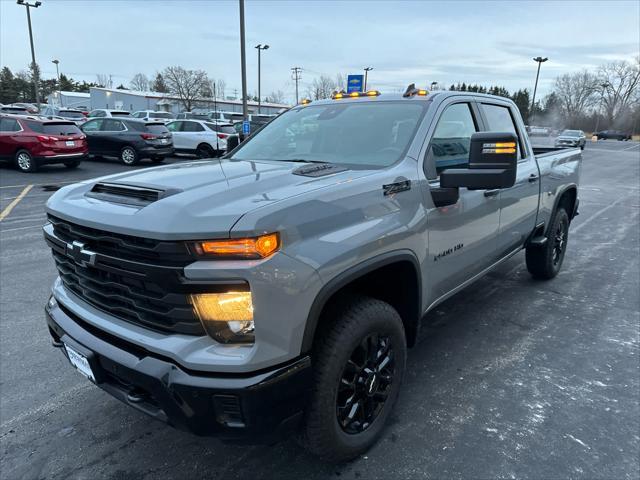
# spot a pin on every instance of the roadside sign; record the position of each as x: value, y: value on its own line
x: 355, y: 83
x: 246, y: 128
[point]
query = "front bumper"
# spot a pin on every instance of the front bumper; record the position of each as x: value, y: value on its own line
x: 259, y: 407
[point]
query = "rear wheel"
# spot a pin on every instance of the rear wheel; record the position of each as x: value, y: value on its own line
x: 359, y: 364
x: 73, y: 164
x: 25, y: 162
x: 205, y: 151
x: 544, y: 262
x: 129, y: 156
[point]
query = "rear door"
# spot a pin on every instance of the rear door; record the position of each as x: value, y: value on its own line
x: 462, y: 237
x: 178, y: 137
x: 193, y: 134
x: 113, y: 136
x: 518, y: 204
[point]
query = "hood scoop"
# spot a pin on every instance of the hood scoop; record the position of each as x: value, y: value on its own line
x: 137, y: 195
x: 318, y: 170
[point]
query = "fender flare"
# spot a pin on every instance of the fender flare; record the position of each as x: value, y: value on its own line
x: 559, y: 195
x: 353, y: 273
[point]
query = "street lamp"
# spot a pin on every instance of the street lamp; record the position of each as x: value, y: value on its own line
x: 366, y: 72
x: 260, y: 47
x: 33, y: 52
x: 540, y: 61
x: 603, y: 85
x: 433, y: 86
x: 57, y: 62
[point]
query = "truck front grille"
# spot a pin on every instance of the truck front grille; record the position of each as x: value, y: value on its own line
x: 136, y: 279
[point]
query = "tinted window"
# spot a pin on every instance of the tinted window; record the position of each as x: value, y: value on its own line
x: 111, y: 125
x: 16, y: 110
x: 221, y: 128
x: 571, y: 133
x: 374, y: 134
x: 70, y: 114
x: 449, y: 147
x: 9, y: 125
x: 500, y: 120
x: 120, y: 114
x: 60, y: 129
x: 92, y: 126
x: 160, y: 115
x: 97, y: 113
x: 156, y: 128
x: 192, y: 127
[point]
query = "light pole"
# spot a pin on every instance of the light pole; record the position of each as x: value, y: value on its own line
x: 33, y: 52
x: 433, y: 86
x: 243, y: 60
x: 603, y: 85
x: 540, y: 61
x: 260, y: 47
x: 57, y: 62
x: 366, y: 74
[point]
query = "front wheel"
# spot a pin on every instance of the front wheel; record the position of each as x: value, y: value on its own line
x: 359, y: 365
x: 544, y: 262
x: 129, y: 156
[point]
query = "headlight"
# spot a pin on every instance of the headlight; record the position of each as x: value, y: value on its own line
x: 239, y: 248
x: 227, y: 317
x: 52, y: 303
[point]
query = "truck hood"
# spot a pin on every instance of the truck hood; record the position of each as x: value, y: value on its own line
x: 204, y: 199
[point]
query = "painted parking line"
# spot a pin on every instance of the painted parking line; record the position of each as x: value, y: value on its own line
x: 632, y: 146
x: 16, y: 200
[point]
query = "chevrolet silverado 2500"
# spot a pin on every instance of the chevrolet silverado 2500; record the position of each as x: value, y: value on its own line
x: 275, y: 291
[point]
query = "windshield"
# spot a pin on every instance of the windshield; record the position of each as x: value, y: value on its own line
x: 374, y: 134
x: 228, y: 128
x: 571, y: 133
x: 120, y: 113
x: 160, y: 115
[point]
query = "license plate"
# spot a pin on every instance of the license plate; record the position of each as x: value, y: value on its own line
x: 80, y: 362
x: 71, y: 143
x: 164, y: 140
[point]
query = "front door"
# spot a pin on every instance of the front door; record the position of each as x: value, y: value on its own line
x: 462, y: 237
x: 92, y: 130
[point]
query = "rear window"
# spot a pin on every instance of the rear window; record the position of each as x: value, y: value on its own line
x: 161, y: 115
x: 156, y: 128
x: 62, y: 113
x: 14, y: 109
x: 54, y: 128
x: 221, y: 128
x: 120, y: 113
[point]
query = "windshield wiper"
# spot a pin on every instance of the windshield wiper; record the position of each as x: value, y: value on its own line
x: 302, y: 160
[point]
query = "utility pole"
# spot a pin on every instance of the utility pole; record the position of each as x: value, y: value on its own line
x: 243, y: 60
x: 33, y: 52
x: 540, y: 61
x: 603, y: 85
x: 296, y: 74
x: 260, y: 48
x: 366, y: 72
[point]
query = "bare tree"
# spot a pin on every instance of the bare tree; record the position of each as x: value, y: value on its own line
x: 277, y: 96
x: 576, y: 92
x: 321, y: 87
x: 620, y: 83
x: 187, y: 85
x: 104, y: 80
x: 139, y: 82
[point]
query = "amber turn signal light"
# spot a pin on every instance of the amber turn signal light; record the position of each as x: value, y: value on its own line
x: 244, y: 248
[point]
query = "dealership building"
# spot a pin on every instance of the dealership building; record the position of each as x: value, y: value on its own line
x: 133, y: 101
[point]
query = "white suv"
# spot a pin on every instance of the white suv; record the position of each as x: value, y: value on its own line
x: 150, y: 115
x: 204, y: 139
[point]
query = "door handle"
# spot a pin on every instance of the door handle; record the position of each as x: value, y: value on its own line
x: 491, y: 193
x: 533, y: 178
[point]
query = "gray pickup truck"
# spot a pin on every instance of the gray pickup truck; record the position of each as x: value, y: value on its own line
x: 275, y: 291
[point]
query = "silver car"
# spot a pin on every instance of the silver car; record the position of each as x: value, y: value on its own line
x: 571, y: 138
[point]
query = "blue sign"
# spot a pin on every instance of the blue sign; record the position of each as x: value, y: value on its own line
x: 355, y: 83
x: 246, y: 127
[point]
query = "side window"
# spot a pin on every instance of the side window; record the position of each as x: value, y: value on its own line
x: 500, y: 120
x: 111, y: 125
x: 92, y: 126
x: 192, y: 127
x: 9, y: 125
x: 173, y: 126
x: 449, y: 147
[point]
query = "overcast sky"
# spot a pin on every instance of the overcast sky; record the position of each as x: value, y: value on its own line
x: 405, y: 42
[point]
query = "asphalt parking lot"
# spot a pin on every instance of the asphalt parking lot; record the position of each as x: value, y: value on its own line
x: 512, y: 378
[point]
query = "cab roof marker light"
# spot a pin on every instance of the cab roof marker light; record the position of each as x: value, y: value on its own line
x: 372, y: 93
x: 305, y: 101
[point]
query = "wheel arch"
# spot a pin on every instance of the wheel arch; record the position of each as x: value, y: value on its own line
x: 366, y: 278
x: 567, y: 197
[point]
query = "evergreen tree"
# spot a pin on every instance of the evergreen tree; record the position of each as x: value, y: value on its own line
x: 159, y: 85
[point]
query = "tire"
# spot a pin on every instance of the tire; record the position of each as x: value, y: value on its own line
x: 545, y: 262
x: 581, y: 147
x: 25, y: 162
x: 129, y: 156
x: 73, y: 164
x: 344, y: 374
x: 205, y: 151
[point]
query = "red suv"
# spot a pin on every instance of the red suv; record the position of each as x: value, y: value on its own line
x: 33, y: 141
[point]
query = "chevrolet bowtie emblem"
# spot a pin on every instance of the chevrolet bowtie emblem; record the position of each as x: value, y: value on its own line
x: 82, y: 257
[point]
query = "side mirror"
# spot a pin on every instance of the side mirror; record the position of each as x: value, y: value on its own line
x: 493, y: 160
